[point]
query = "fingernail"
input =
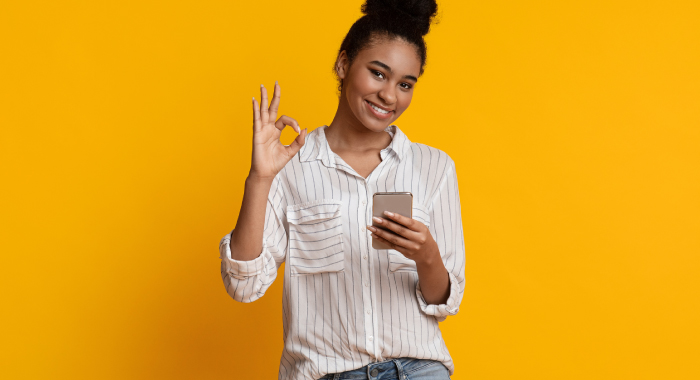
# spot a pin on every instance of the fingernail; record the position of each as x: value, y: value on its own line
x: 276, y: 82
x: 370, y: 228
x: 377, y: 219
x: 262, y: 86
x: 253, y: 97
x: 389, y: 213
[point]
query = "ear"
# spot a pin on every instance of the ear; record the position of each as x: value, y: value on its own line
x: 341, y: 64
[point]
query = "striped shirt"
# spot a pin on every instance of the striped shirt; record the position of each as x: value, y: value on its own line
x: 346, y: 304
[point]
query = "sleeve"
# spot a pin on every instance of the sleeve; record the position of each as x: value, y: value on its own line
x: 247, y: 281
x: 446, y: 227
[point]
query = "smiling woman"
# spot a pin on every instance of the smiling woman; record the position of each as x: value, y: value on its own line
x: 351, y: 311
x: 379, y: 83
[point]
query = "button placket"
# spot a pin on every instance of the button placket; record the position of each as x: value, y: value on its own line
x: 366, y: 266
x: 373, y: 318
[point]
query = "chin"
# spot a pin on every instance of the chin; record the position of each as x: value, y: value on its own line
x: 377, y: 126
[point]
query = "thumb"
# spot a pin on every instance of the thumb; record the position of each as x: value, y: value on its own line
x: 298, y: 142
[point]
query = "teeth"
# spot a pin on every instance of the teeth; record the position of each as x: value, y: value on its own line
x: 378, y: 109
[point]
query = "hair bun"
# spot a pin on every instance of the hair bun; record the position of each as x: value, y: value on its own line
x: 420, y: 12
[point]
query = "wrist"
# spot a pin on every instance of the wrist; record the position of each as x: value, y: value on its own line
x: 430, y: 259
x: 257, y: 180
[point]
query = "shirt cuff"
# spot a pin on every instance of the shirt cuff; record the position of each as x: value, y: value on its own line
x: 450, y: 307
x: 237, y: 268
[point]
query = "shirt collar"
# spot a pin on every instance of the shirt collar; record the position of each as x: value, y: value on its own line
x: 317, y: 148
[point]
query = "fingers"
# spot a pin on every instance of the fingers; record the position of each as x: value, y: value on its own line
x: 387, y: 242
x: 396, y: 228
x: 375, y: 235
x: 263, y: 105
x: 274, y: 105
x: 286, y: 120
x: 298, y: 142
x: 256, y: 116
x: 395, y: 241
x: 409, y: 223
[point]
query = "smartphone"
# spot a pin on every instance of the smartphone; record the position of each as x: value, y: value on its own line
x: 397, y: 202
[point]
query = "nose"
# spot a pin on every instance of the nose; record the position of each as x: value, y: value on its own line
x: 387, y: 94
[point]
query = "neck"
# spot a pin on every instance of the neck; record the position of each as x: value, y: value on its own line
x: 347, y: 133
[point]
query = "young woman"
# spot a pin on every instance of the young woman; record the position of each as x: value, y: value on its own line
x: 351, y: 311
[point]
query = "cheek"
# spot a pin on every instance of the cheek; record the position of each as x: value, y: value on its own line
x: 364, y: 85
x: 405, y: 100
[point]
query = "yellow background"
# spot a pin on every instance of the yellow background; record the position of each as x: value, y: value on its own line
x: 126, y: 138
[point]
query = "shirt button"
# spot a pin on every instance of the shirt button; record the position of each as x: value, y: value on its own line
x: 364, y: 257
x: 368, y: 313
x: 363, y: 203
x: 370, y: 338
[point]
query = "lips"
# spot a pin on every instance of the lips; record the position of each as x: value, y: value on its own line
x: 377, y: 113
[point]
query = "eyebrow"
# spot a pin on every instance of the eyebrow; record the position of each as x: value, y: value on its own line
x: 387, y: 68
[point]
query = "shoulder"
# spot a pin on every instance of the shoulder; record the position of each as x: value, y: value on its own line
x: 424, y: 152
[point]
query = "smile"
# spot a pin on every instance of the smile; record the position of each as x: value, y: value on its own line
x: 378, y: 112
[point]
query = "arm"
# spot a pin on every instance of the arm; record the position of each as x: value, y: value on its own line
x: 254, y: 250
x: 246, y: 238
x: 434, y: 278
x: 248, y: 274
x: 440, y: 263
x: 446, y: 223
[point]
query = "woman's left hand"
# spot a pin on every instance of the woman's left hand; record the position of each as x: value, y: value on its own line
x: 411, y: 237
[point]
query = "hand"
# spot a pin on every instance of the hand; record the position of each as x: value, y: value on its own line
x: 269, y: 155
x: 411, y: 237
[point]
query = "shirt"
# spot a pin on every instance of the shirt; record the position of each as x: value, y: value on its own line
x: 346, y: 304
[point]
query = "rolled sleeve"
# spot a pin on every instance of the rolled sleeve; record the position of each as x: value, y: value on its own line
x: 450, y: 307
x: 241, y: 269
x: 446, y: 227
x: 248, y: 280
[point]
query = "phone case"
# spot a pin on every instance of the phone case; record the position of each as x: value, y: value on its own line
x: 397, y: 202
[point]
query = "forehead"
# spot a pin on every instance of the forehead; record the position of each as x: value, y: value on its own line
x: 400, y: 55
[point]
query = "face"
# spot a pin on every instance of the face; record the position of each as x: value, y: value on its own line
x: 382, y: 76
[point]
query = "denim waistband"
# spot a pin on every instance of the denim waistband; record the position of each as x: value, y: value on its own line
x: 385, y: 370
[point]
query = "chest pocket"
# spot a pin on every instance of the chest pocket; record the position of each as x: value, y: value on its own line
x: 397, y: 261
x: 315, y: 237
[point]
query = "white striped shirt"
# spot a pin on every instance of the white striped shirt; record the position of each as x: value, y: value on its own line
x: 346, y: 304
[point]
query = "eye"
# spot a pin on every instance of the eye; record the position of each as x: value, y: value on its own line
x: 408, y: 85
x: 375, y: 72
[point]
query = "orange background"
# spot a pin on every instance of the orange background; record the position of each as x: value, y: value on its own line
x: 126, y: 138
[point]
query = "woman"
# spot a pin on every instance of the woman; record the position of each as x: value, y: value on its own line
x: 351, y: 311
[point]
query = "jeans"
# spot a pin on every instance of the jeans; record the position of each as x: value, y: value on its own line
x: 396, y: 369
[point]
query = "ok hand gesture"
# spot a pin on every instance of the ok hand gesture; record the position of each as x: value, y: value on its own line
x: 269, y: 155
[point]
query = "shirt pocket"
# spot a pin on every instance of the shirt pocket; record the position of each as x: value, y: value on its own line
x: 397, y: 261
x: 315, y: 237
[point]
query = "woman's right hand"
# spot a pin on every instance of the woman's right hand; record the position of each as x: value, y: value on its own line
x: 269, y: 155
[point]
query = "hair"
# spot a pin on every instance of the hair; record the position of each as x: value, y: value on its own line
x: 408, y: 20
